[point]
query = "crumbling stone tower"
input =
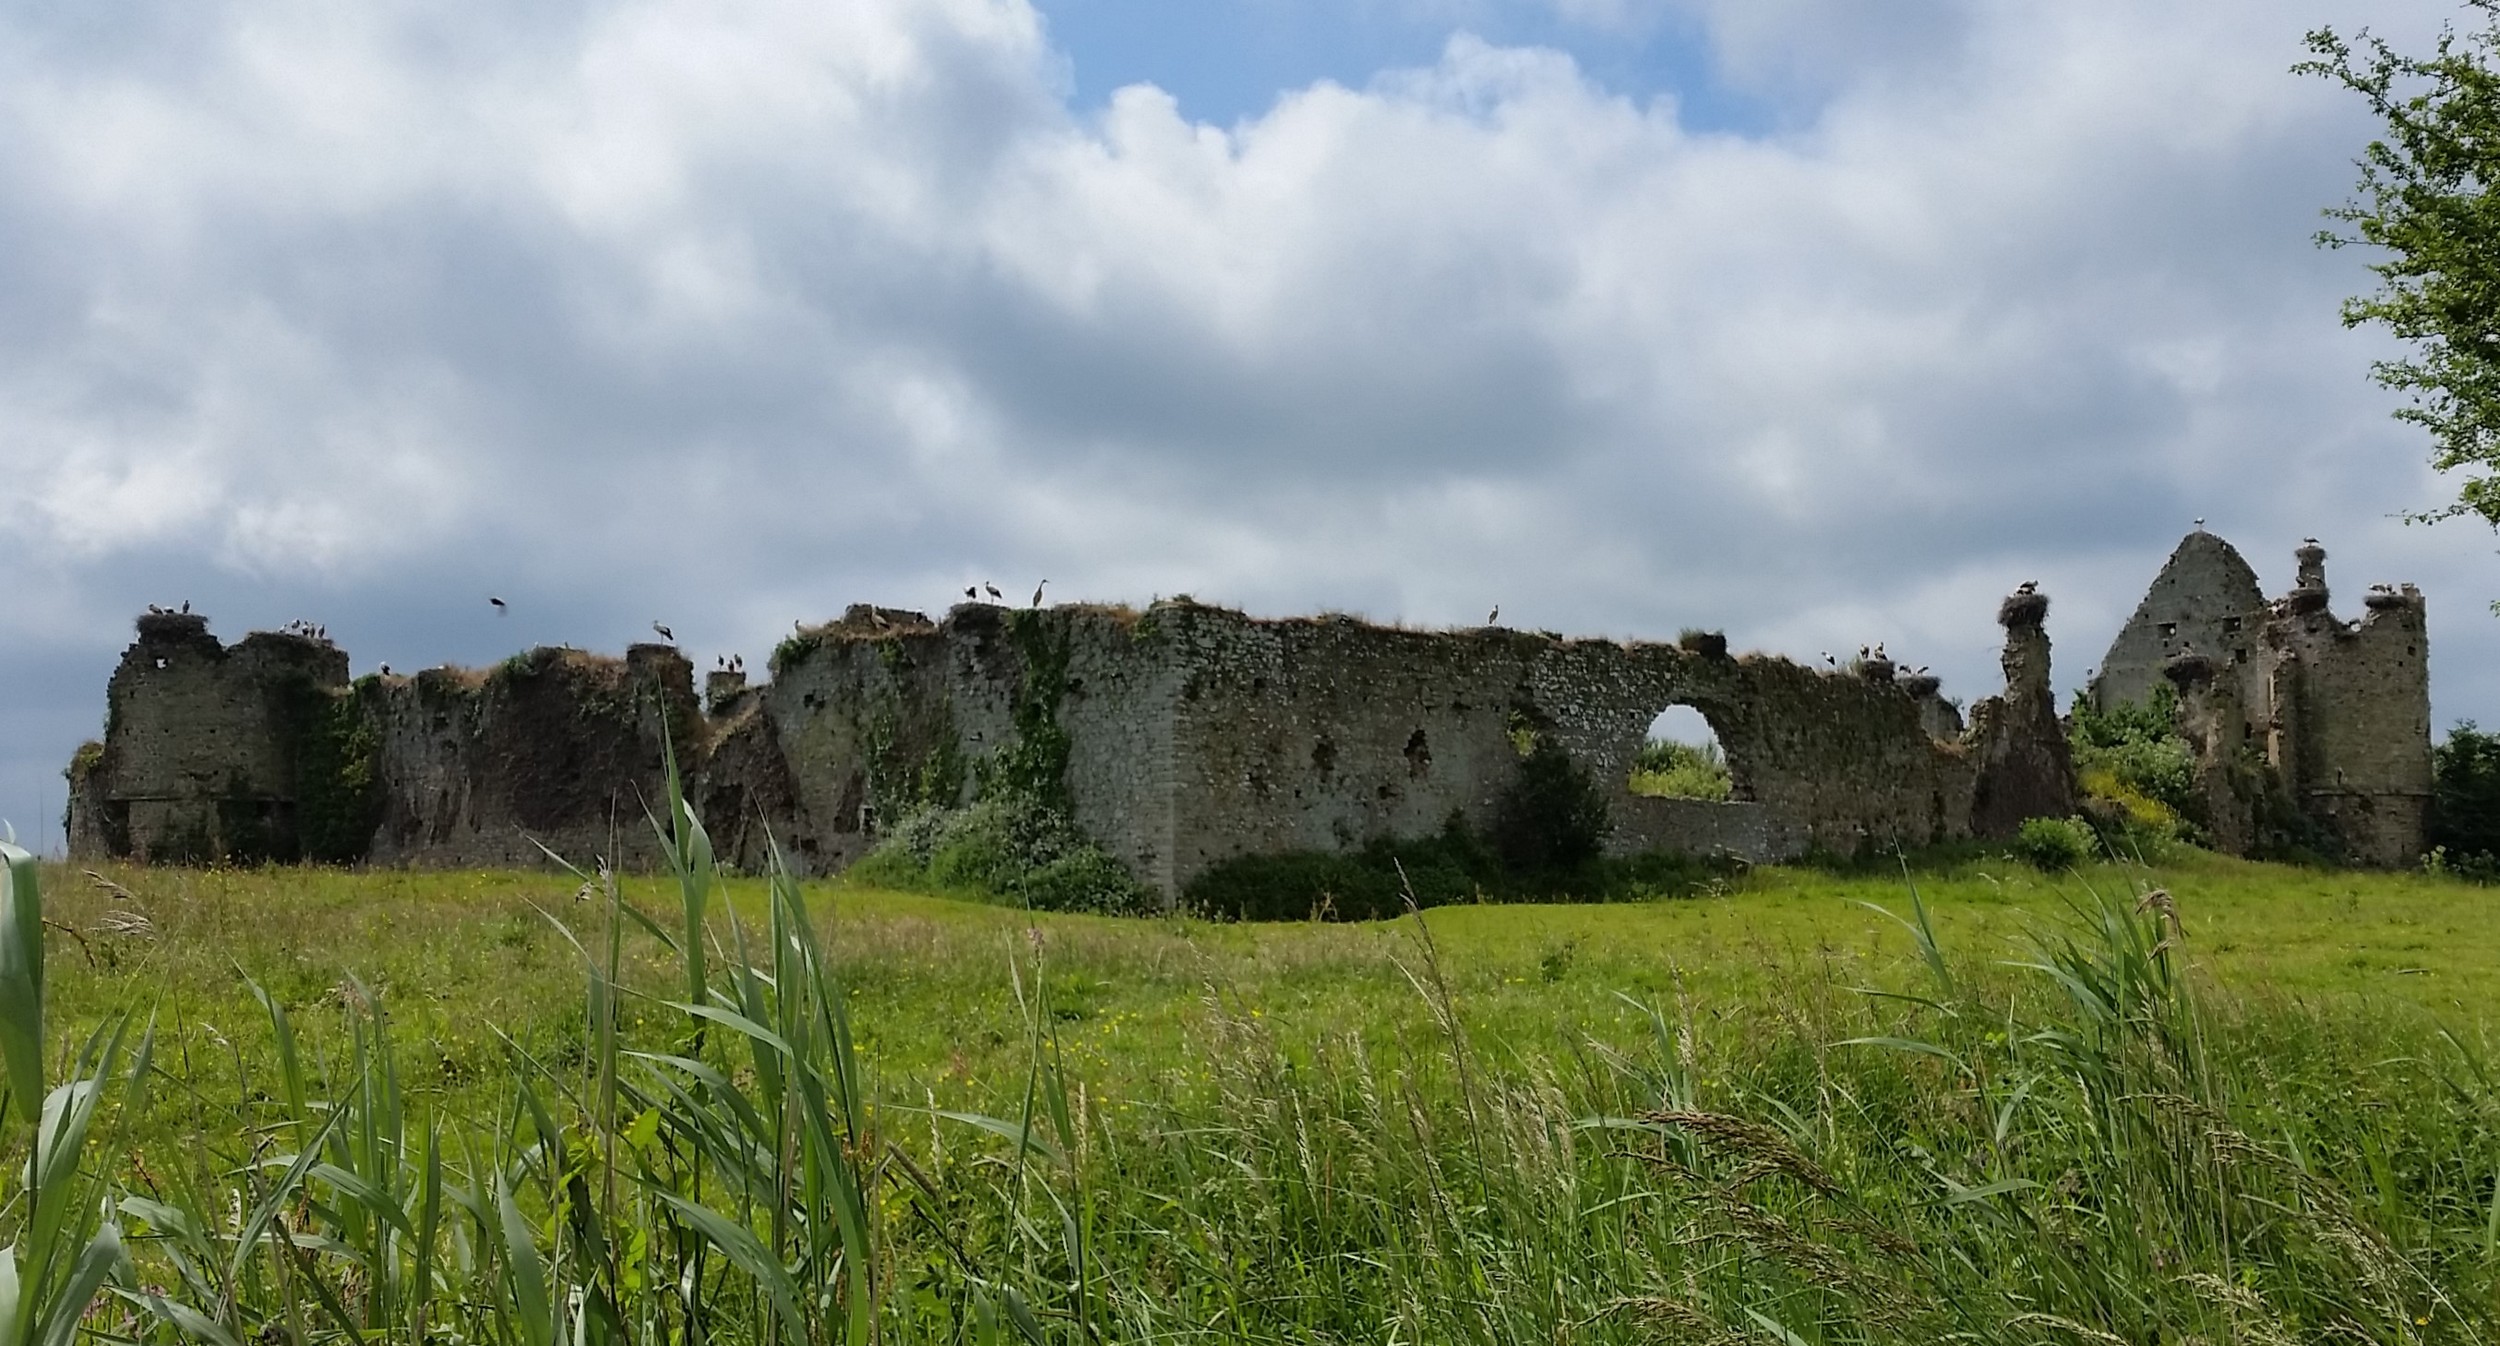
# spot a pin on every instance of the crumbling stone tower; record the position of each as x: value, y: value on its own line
x: 2349, y: 723
x: 2284, y: 701
x: 2025, y: 770
x: 209, y: 751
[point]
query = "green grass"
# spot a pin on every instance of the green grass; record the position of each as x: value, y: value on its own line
x: 1672, y: 770
x: 459, y: 955
x: 1825, y: 1128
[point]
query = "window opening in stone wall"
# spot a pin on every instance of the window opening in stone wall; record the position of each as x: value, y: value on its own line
x: 2169, y: 630
x: 1681, y: 759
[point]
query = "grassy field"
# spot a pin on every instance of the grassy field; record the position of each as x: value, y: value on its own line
x: 458, y: 957
x: 2265, y: 1120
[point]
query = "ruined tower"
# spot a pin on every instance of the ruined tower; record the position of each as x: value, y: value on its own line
x: 2205, y: 600
x: 206, y: 749
x: 2025, y: 770
x: 2331, y: 715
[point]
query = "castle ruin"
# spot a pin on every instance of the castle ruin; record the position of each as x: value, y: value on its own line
x: 1177, y: 738
x: 2290, y: 709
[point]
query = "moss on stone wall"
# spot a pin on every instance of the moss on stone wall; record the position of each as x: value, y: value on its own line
x: 1019, y: 842
x: 793, y: 648
x: 330, y: 742
x: 1036, y: 763
x: 902, y: 779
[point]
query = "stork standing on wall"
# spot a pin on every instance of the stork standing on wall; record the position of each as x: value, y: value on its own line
x: 665, y: 633
x: 1037, y: 593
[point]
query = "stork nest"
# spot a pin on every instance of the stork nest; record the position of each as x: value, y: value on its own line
x: 1707, y: 644
x: 2023, y: 610
x: 2188, y: 668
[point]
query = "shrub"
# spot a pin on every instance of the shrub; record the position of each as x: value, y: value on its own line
x: 1670, y: 770
x: 1707, y: 644
x: 1084, y: 879
x: 2132, y: 758
x: 1553, y: 817
x: 2465, y: 800
x: 1369, y: 884
x: 1452, y: 865
x: 1007, y: 847
x: 2055, y: 843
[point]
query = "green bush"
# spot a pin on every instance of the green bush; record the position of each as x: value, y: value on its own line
x: 1006, y: 847
x: 1452, y: 865
x: 1369, y: 884
x: 2465, y: 801
x: 1084, y: 879
x: 1667, y: 769
x: 2055, y: 843
x: 1553, y: 818
x: 2132, y: 759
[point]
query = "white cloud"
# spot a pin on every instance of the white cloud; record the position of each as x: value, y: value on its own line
x: 726, y: 309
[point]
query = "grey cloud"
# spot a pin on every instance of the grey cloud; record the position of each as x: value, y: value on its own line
x: 733, y: 317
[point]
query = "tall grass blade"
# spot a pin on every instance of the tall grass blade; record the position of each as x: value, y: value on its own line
x: 688, y: 848
x: 21, y: 979
x: 525, y: 1271
x: 101, y: 1258
x: 290, y: 1061
x: 747, y: 1253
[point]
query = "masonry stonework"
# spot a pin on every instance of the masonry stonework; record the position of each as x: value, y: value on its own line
x: 1178, y: 738
x: 2285, y: 698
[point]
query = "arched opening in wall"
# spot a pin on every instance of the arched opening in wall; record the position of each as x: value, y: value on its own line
x: 1681, y: 759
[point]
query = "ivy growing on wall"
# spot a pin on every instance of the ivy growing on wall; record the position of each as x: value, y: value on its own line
x: 330, y: 742
x: 1036, y: 763
x: 1019, y: 841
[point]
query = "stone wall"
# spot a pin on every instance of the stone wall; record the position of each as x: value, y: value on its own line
x: 885, y: 711
x: 2025, y: 770
x: 1177, y: 738
x: 2332, y: 715
x: 2352, y: 701
x: 2205, y: 601
x: 203, y: 744
x: 554, y: 748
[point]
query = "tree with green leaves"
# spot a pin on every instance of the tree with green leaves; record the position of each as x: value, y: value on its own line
x: 2429, y: 198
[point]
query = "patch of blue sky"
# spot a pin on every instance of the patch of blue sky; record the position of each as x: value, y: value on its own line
x: 1228, y: 60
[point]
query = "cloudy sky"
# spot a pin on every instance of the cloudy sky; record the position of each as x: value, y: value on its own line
x: 1626, y: 315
